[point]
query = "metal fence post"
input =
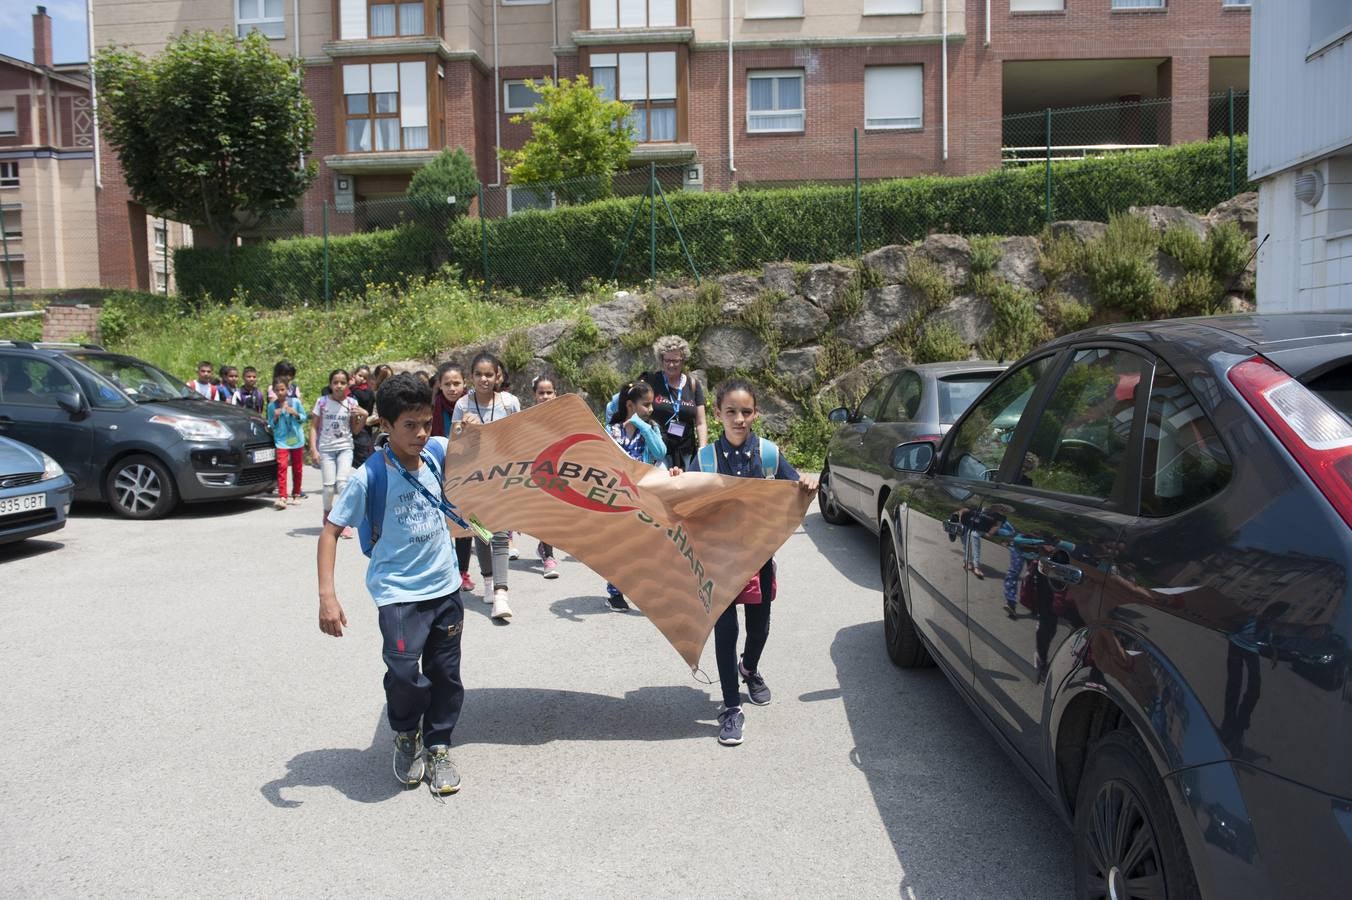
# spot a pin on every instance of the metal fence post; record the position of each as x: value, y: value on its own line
x: 652, y: 222
x: 1049, y: 164
x: 4, y: 241
x: 483, y: 234
x: 326, y: 253
x: 164, y: 223
x: 858, y: 209
x: 1232, y: 141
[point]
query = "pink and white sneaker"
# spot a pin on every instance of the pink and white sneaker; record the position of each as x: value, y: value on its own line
x: 551, y: 568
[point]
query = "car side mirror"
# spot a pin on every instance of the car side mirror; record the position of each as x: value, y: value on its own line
x: 913, y: 456
x: 71, y: 402
x: 840, y: 415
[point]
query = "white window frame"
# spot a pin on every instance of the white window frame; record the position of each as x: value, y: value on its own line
x: 526, y: 2
x: 920, y: 123
x: 13, y: 112
x: 160, y: 236
x: 1022, y: 6
x: 776, y: 74
x: 627, y: 90
x: 511, y: 210
x: 894, y: 7
x: 245, y: 25
x: 1237, y: 4
x: 9, y: 174
x: 507, y: 96
x: 413, y: 111
x: 1133, y: 5
x: 774, y: 9
x: 608, y: 15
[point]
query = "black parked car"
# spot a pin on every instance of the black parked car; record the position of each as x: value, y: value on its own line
x: 1132, y: 558
x: 919, y: 402
x: 128, y: 433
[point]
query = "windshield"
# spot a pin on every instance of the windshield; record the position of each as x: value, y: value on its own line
x: 139, y: 380
x: 956, y: 393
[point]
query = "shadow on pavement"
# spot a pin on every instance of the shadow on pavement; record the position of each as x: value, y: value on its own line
x: 842, y: 546
x: 573, y: 609
x: 942, y: 785
x: 361, y: 775
x: 214, y: 509
x: 314, y: 532
x: 27, y: 549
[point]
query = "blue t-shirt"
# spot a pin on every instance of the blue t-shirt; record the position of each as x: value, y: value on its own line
x: 288, y: 432
x: 414, y: 558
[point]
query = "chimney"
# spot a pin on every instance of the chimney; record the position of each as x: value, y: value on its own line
x: 42, y: 38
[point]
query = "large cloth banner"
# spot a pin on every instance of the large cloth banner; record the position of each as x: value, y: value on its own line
x: 680, y: 547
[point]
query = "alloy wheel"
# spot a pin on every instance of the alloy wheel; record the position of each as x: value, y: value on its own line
x: 892, y: 599
x: 138, y: 489
x: 1124, y: 854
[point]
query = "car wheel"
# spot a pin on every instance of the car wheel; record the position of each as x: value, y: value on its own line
x: 140, y: 487
x: 1126, y: 840
x: 826, y: 502
x: 903, y: 642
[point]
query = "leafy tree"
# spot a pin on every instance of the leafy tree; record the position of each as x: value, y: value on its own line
x: 577, y: 137
x: 210, y: 132
x: 451, y: 174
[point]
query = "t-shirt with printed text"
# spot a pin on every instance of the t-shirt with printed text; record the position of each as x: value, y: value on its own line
x: 333, y: 422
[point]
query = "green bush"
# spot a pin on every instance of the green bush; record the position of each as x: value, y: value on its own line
x: 985, y: 253
x: 1196, y: 293
x: 516, y: 351
x: 809, y: 434
x: 450, y: 174
x: 940, y: 343
x: 1228, y: 250
x: 1184, y: 245
x: 1122, y: 271
x: 1018, y: 327
x: 1060, y: 256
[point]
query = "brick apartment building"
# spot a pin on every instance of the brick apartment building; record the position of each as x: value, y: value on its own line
x: 739, y: 92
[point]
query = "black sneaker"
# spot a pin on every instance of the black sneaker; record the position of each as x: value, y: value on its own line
x: 408, y: 757
x: 442, y: 777
x: 618, y: 603
x: 730, y: 722
x: 755, y: 686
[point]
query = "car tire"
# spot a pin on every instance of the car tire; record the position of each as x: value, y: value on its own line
x: 1127, y: 842
x: 904, y: 646
x: 140, y: 487
x: 826, y: 502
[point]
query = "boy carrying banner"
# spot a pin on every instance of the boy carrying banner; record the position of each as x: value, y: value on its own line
x: 395, y: 501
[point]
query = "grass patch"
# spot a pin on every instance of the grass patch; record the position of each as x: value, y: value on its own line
x: 1018, y: 327
x: 516, y: 351
x: 687, y: 318
x: 985, y: 253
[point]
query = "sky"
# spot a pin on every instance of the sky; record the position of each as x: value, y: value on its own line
x: 69, y: 42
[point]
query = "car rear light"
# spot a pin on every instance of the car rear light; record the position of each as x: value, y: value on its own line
x: 1315, y: 434
x: 936, y: 438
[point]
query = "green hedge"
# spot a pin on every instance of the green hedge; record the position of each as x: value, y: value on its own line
x: 724, y: 231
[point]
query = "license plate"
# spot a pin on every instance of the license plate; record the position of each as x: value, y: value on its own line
x: 10, y: 506
x: 262, y: 456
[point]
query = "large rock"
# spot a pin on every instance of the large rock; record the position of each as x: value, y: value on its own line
x: 951, y: 253
x: 729, y: 347
x: 1242, y: 209
x: 825, y: 284
x: 1019, y: 263
x: 970, y: 317
x: 1162, y: 218
x: 618, y: 357
x: 739, y: 292
x: 884, y: 309
x: 617, y: 317
x: 798, y: 321
x: 781, y: 276
x: 536, y: 368
x: 544, y: 338
x: 847, y: 388
x: 1076, y: 287
x: 1170, y: 269
x: 889, y: 262
x: 1237, y: 304
x: 1079, y: 229
x: 798, y: 367
x: 775, y: 412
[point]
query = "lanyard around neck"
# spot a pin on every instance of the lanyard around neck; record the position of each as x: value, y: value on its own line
x: 674, y: 396
x: 441, y: 503
x: 492, y: 406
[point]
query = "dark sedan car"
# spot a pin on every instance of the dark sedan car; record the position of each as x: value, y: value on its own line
x: 919, y: 402
x: 1132, y: 558
x: 128, y: 433
x: 35, y: 492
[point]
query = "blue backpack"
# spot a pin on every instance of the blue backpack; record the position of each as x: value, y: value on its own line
x: 377, y: 486
x: 769, y: 457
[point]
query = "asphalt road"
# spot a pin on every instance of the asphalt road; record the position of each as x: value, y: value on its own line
x: 175, y: 723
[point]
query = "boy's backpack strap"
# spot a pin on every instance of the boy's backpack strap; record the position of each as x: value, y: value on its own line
x: 707, y: 461
x: 376, y: 489
x: 434, y: 454
x: 769, y: 455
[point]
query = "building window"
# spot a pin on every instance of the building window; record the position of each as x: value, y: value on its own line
x: 774, y: 9
x: 519, y: 96
x: 161, y: 281
x: 13, y: 224
x: 647, y: 82
x: 385, y: 106
x: 264, y: 16
x: 1037, y: 5
x: 161, y: 238
x: 774, y: 102
x: 15, y: 268
x: 521, y: 198
x: 396, y: 20
x: 894, y: 7
x: 633, y: 13
x: 1138, y: 4
x: 1330, y: 21
x: 1245, y: 3
x: 9, y: 121
x: 9, y: 174
x: 893, y: 97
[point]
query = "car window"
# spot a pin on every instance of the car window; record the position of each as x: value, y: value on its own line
x: 139, y: 380
x: 102, y: 394
x: 1185, y: 461
x: 1080, y: 441
x: 27, y: 381
x: 904, y: 402
x: 873, y: 401
x: 957, y: 392
x: 980, y: 440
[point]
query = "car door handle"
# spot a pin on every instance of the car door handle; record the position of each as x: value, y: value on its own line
x: 1060, y: 571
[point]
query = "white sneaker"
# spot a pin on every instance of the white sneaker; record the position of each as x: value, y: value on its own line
x: 488, y: 589
x: 512, y: 552
x: 500, y: 608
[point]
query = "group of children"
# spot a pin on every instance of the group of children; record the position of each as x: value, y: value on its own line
x: 418, y: 567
